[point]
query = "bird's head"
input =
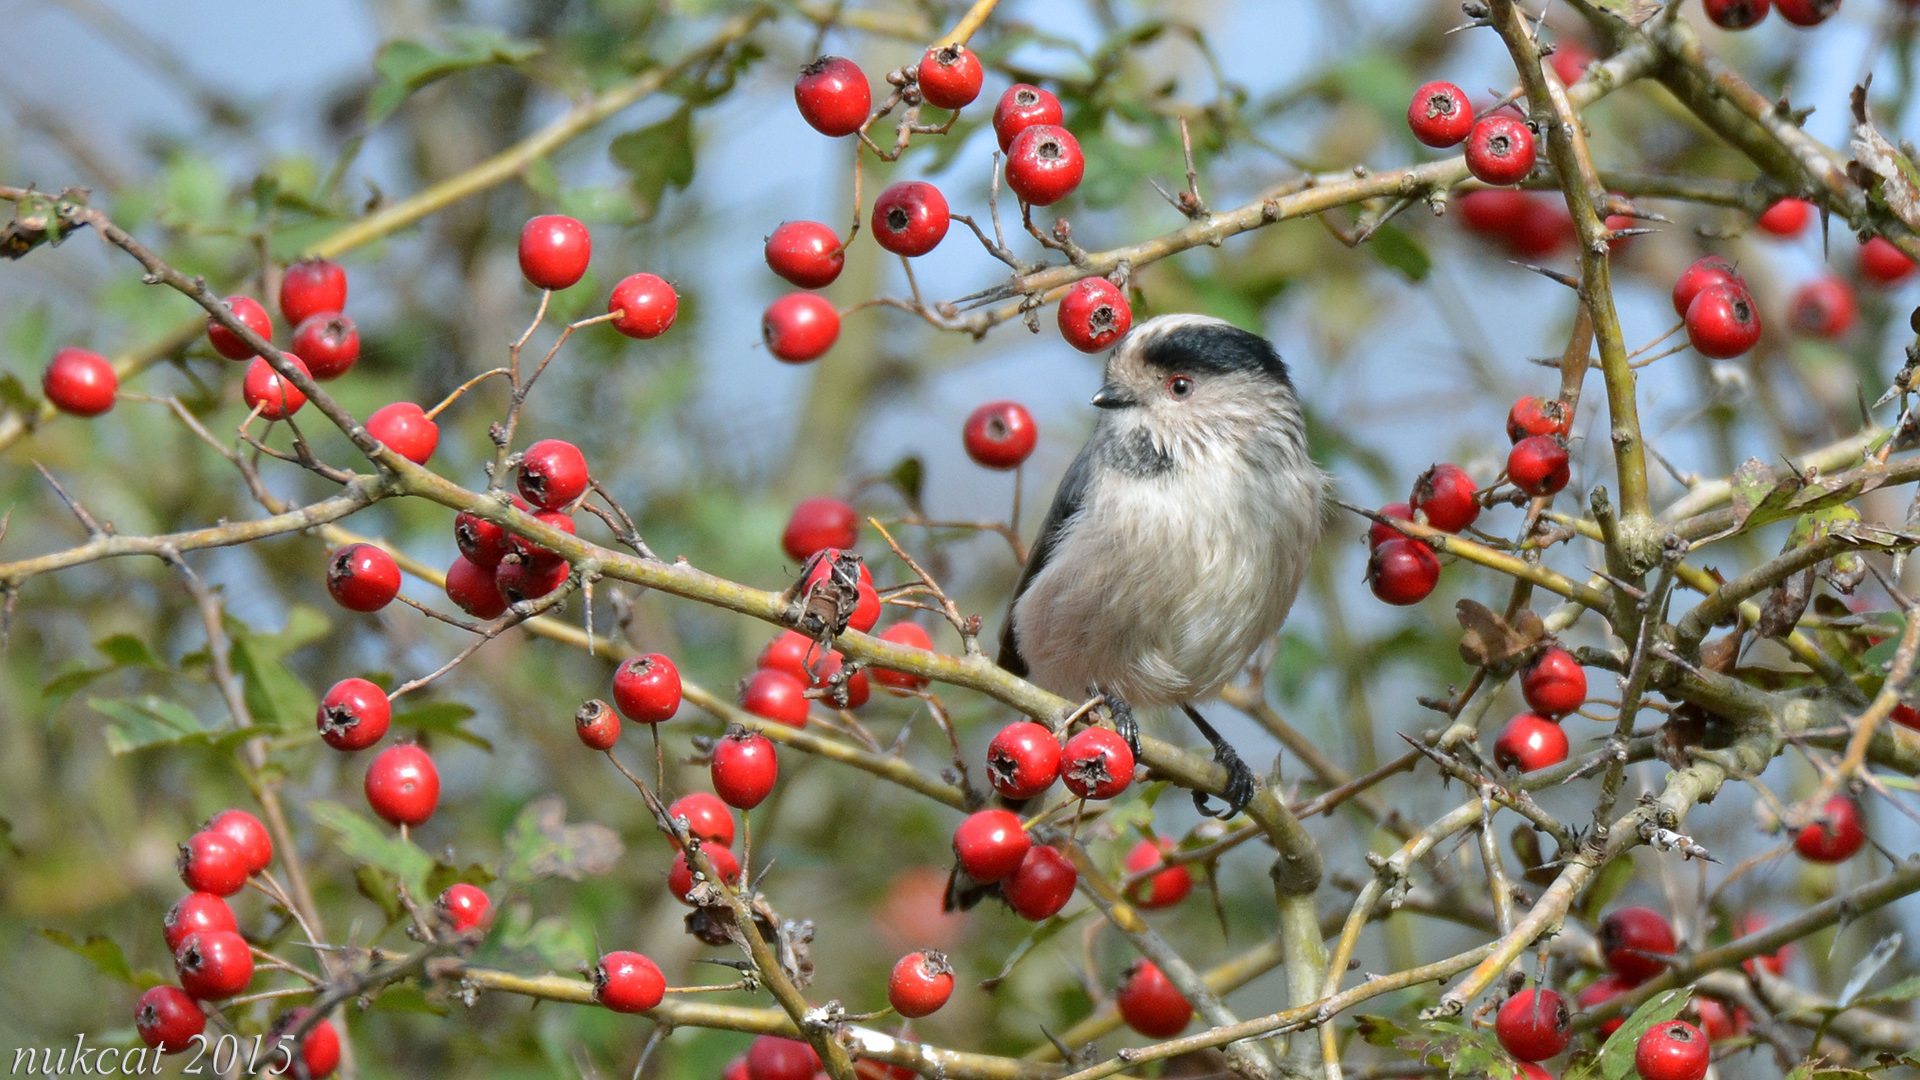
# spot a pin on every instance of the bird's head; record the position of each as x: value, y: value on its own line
x: 1196, y: 385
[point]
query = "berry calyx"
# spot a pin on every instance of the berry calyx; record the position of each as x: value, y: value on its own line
x: 193, y: 913
x: 1722, y: 322
x: 1554, y: 684
x: 213, y: 964
x: 1836, y: 837
x: 266, y: 392
x: 355, y: 713
x: 309, y: 287
x: 1805, y: 13
x: 554, y: 251
x: 247, y: 834
x: 910, y: 218
x: 522, y: 578
x: 80, y: 383
x: 466, y: 907
x: 775, y: 695
x: 1786, y: 217
x: 1094, y: 314
x: 212, y: 862
x: 482, y: 542
x: 1530, y: 742
x: 1380, y: 532
x: 1675, y: 1050
x: 1536, y: 416
x: 628, y: 982
x: 1445, y: 493
x: 647, y: 305
x: 1096, y: 764
x: 1020, y: 108
x: 1710, y: 270
x: 1163, y: 889
x: 1633, y: 940
x: 1045, y: 164
x: 1042, y: 885
x: 680, y: 874
x: 833, y: 96
x: 406, y: 430
x: 1149, y: 1003
x: 990, y: 845
x: 251, y: 315
x: 1538, y: 465
x: 909, y: 635
x: 799, y: 327
x: 1500, y: 150
x: 475, y: 589
x: 921, y: 981
x: 950, y: 77
x: 817, y: 523
x: 597, y: 724
x: 771, y: 1057
x: 553, y: 473
x: 708, y: 819
x: 806, y: 253
x: 319, y: 1047
x: 1882, y: 262
x: 1402, y: 571
x: 647, y: 688
x: 1736, y: 14
x: 329, y: 343
x: 168, y: 1018
x: 1440, y: 114
x: 1533, y: 1025
x: 1023, y: 760
x: 1822, y: 308
x: 1000, y: 435
x: 403, y: 786
x: 362, y: 577
x: 744, y: 767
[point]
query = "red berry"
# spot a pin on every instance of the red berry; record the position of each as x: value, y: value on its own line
x: 990, y: 845
x: 329, y: 343
x: 1710, y: 270
x: 1906, y: 716
x: 1601, y: 991
x: 597, y: 724
x: 833, y: 96
x: 856, y: 688
x: 1530, y: 742
x: 193, y: 913
x: 1714, y: 1020
x: 212, y: 862
x: 1823, y: 307
x: 1402, y: 571
x: 1096, y: 764
x: 950, y: 77
x: 628, y: 982
x: 1536, y: 416
x: 482, y: 542
x: 355, y: 713
x: 744, y: 768
x: 806, y: 253
x: 866, y: 610
x: 1570, y: 61
x: 263, y: 389
x: 680, y: 874
x: 771, y: 1057
x: 1786, y: 217
x: 554, y: 250
x: 1440, y: 114
x: 1775, y: 963
x: 1544, y: 227
x: 921, y: 982
x: 1538, y: 465
x: 912, y: 636
x: 247, y: 834
x: 362, y: 577
x: 708, y: 819
x: 403, y: 786
x: 1094, y: 314
x: 553, y: 473
x: 474, y: 589
x: 1045, y: 164
x: 647, y: 305
x: 1807, y: 12
x: 1533, y: 1025
x: 251, y: 315
x: 1493, y: 213
x: 1445, y: 493
x: 1379, y: 532
x: 544, y: 560
x: 1023, y: 760
x: 79, y: 382
x: 792, y: 653
x: 1000, y: 435
x: 1675, y: 1050
x: 647, y: 688
x: 910, y: 218
x: 310, y: 287
x: 1736, y: 14
x: 213, y: 964
x: 1020, y: 108
x: 799, y: 327
x: 1834, y: 838
x: 1042, y: 885
x: 168, y: 1018
x: 775, y: 695
x: 1500, y: 150
x: 1164, y: 889
x: 1632, y: 939
x: 520, y: 579
x: 467, y: 907
x: 1722, y: 322
x: 820, y: 522
x: 1149, y: 1003
x: 1882, y: 262
x: 1554, y: 684
x: 319, y: 1047
x: 406, y: 430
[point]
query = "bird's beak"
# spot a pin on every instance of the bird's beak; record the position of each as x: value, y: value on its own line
x: 1111, y: 396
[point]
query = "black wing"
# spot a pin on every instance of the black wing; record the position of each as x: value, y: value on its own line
x: 1066, y: 503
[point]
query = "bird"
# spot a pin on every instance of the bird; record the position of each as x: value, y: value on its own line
x: 1178, y: 538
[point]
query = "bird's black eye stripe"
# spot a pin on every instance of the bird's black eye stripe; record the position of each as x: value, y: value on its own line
x: 1213, y: 349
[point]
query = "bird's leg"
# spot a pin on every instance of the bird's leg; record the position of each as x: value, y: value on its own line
x: 1240, y: 782
x: 1123, y: 721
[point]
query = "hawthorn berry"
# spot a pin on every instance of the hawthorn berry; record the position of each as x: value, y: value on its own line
x: 1020, y: 108
x: 1045, y: 164
x: 1530, y: 742
x: 1714, y: 1020
x: 628, y: 982
x: 329, y: 343
x: 362, y: 577
x: 466, y: 907
x: 921, y: 981
x: 193, y: 913
x: 990, y: 845
x: 212, y: 862
x: 213, y: 964
x: 1632, y: 939
x: 1774, y: 963
x: 553, y: 473
x: 1836, y: 837
x: 647, y: 688
x: 1163, y: 889
x: 1445, y: 493
x: 1804, y: 13
x: 1094, y: 314
x: 1380, y: 532
x: 950, y: 77
x: 1710, y: 270
x: 1882, y: 262
x: 1402, y: 571
x: 680, y: 874
x: 265, y: 391
x: 771, y: 1057
x: 1023, y: 760
x: 910, y: 218
x: 543, y: 561
x: 406, y: 429
x: 1536, y: 416
x: 1096, y: 764
x: 1440, y: 114
x: 1500, y: 150
x: 1570, y: 61
x: 1786, y: 217
x: 1538, y: 465
x: 866, y: 609
x: 247, y: 834
x: 1599, y: 992
x: 910, y: 635
x: 1149, y: 1003
x: 1906, y: 716
x: 1000, y: 435
x: 792, y: 653
x: 854, y: 689
x: 1823, y: 308
x: 1554, y: 684
x: 1736, y: 14
x: 1675, y: 1050
x: 554, y: 251
x: 806, y: 253
x: 820, y: 522
x: 319, y: 1047
x: 1042, y: 885
x: 1533, y: 1025
x: 744, y: 767
x: 833, y: 96
x: 646, y: 304
x: 80, y: 383
x: 355, y: 713
x: 1722, y: 322
x: 403, y: 786
x: 1493, y: 213
x: 311, y: 286
x: 775, y: 695
x: 708, y: 819
x: 528, y: 577
x: 168, y: 1018
x: 597, y: 724
x: 475, y: 589
x: 251, y: 315
x: 480, y: 541
x: 799, y: 327
x: 1543, y: 228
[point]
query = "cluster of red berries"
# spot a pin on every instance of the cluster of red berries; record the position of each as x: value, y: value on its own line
x: 554, y: 252
x: 402, y: 784
x: 1721, y: 318
x: 1554, y: 686
x: 1499, y: 145
x: 1741, y: 14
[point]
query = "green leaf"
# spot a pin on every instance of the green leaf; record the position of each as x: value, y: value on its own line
x: 13, y: 394
x: 380, y: 887
x: 657, y: 157
x: 306, y: 625
x: 105, y: 955
x: 275, y: 695
x: 405, y: 66
x: 442, y: 718
x: 559, y: 946
x: 1036, y: 937
x: 1899, y: 992
x: 1453, y: 1043
x: 1401, y: 252
x: 1616, y: 1055
x: 125, y: 650
x: 1379, y: 1031
x: 137, y: 723
x: 373, y: 845
x: 1613, y: 877
x: 540, y: 844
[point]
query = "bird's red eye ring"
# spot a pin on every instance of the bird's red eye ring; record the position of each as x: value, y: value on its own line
x: 1179, y: 388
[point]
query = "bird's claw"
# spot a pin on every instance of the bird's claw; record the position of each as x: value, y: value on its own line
x: 1240, y: 787
x: 1123, y: 722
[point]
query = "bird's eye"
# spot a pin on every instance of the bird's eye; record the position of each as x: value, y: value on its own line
x: 1179, y: 388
